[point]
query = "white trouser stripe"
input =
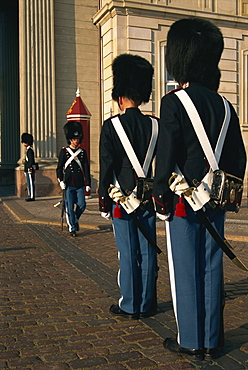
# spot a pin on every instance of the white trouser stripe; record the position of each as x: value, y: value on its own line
x: 119, y: 271
x: 31, y: 195
x: 172, y: 273
x: 118, y: 281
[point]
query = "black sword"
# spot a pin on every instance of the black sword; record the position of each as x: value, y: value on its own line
x: 63, y: 203
x: 63, y: 209
x: 223, y: 243
x: 146, y: 234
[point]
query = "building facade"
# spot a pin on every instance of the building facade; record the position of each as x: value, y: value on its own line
x: 60, y: 45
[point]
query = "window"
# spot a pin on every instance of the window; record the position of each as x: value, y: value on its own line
x: 171, y: 84
x: 165, y: 82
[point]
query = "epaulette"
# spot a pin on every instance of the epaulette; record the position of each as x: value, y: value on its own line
x: 172, y: 91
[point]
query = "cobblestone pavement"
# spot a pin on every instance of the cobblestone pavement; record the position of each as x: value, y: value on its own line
x: 55, y: 298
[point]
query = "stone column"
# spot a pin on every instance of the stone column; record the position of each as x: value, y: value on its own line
x: 37, y: 90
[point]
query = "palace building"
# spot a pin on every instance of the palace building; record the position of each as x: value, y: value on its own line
x: 51, y: 49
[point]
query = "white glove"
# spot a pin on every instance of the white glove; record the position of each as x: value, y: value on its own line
x: 163, y: 217
x: 87, y: 188
x: 115, y: 193
x: 62, y: 185
x: 106, y: 215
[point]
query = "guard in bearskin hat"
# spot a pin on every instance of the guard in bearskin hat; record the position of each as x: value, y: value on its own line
x: 29, y: 165
x: 194, y: 47
x: 132, y: 77
x: 73, y: 175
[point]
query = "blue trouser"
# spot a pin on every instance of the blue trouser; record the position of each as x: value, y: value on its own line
x: 30, y: 177
x: 195, y: 267
x: 138, y: 262
x: 74, y: 196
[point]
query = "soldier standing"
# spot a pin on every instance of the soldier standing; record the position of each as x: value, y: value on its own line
x: 194, y: 48
x: 29, y: 165
x: 138, y: 263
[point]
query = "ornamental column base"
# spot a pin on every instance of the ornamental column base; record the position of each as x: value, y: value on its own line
x: 46, y: 183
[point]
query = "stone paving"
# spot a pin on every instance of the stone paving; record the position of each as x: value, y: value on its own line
x: 56, y: 292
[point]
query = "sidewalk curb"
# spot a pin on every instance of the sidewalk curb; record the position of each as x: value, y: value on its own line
x: 23, y: 216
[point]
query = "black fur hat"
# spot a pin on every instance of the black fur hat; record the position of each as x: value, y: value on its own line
x: 132, y: 78
x: 72, y: 130
x: 194, y: 48
x: 27, y: 138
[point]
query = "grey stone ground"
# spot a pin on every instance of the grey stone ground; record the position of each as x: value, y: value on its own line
x: 56, y: 292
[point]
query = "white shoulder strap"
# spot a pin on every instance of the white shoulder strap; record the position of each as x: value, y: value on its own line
x: 152, y: 145
x: 222, y: 135
x: 141, y: 172
x: 191, y: 110
x: 73, y: 157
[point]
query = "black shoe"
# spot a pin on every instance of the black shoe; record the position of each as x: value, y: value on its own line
x: 73, y: 233
x: 117, y: 311
x: 149, y: 313
x: 172, y: 345
x: 212, y: 353
x: 77, y: 226
x: 30, y: 199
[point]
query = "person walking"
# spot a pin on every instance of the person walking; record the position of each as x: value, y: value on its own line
x: 29, y: 165
x: 73, y: 175
x: 132, y: 86
x: 194, y: 48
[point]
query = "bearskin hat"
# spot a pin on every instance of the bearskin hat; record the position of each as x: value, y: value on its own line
x: 27, y: 138
x: 72, y: 130
x: 194, y: 48
x: 132, y: 78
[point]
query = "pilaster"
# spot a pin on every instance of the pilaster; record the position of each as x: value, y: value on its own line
x: 37, y: 84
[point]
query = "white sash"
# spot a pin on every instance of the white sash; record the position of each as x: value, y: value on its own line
x: 131, y: 203
x: 74, y: 156
x: 201, y: 195
x: 212, y: 157
x: 141, y: 172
